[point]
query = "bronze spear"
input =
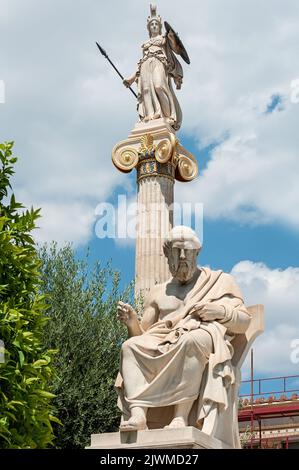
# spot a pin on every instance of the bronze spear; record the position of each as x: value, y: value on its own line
x: 104, y: 53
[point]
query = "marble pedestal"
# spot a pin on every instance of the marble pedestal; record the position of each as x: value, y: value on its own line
x: 181, y: 438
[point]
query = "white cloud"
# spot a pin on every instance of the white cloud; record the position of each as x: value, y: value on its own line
x: 241, y: 62
x: 277, y: 290
x: 65, y: 222
x: 66, y: 107
x: 252, y: 175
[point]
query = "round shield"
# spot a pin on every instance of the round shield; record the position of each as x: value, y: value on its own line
x: 175, y: 43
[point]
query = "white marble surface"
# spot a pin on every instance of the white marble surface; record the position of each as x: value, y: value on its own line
x: 183, y: 438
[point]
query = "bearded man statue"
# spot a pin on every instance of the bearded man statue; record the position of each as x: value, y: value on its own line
x: 177, y: 359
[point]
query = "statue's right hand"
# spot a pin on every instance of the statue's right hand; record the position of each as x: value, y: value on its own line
x: 126, y: 314
x: 127, y: 82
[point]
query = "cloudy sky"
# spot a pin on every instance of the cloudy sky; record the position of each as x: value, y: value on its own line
x: 65, y: 108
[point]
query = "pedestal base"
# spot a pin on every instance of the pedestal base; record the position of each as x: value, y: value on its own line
x: 181, y: 438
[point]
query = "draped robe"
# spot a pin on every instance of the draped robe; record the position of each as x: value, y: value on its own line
x: 172, y: 361
x: 155, y: 70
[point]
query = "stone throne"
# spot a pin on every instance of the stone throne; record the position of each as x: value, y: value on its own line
x: 222, y: 426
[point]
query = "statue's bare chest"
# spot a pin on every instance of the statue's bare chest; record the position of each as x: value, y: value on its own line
x: 168, y: 304
x: 173, y: 298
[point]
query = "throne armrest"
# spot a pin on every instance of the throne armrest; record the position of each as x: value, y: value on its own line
x: 242, y: 342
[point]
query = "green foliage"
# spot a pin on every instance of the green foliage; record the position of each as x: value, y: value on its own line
x: 84, y: 328
x: 25, y: 410
x: 246, y: 437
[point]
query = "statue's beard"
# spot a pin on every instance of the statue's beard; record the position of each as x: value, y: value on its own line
x: 183, y: 272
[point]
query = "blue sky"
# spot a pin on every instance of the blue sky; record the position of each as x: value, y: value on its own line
x: 66, y: 109
x: 271, y: 243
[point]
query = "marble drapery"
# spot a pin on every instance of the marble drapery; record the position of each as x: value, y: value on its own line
x: 156, y: 97
x: 181, y: 358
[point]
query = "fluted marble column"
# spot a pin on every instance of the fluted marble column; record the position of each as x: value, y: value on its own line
x: 159, y: 158
x: 154, y: 220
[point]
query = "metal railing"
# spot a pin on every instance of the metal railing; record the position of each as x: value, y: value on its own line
x: 260, y: 387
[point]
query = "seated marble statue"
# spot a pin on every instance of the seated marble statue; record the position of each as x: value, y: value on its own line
x: 180, y: 353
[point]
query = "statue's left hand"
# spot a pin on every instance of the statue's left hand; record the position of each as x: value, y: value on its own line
x: 209, y: 311
x: 178, y: 82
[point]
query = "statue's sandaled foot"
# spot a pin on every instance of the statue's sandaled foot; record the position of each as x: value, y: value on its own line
x: 178, y: 422
x: 170, y: 121
x: 152, y: 117
x: 134, y: 424
x: 156, y: 116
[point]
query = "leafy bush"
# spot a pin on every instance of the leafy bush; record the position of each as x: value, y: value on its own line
x: 84, y: 328
x: 25, y: 410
